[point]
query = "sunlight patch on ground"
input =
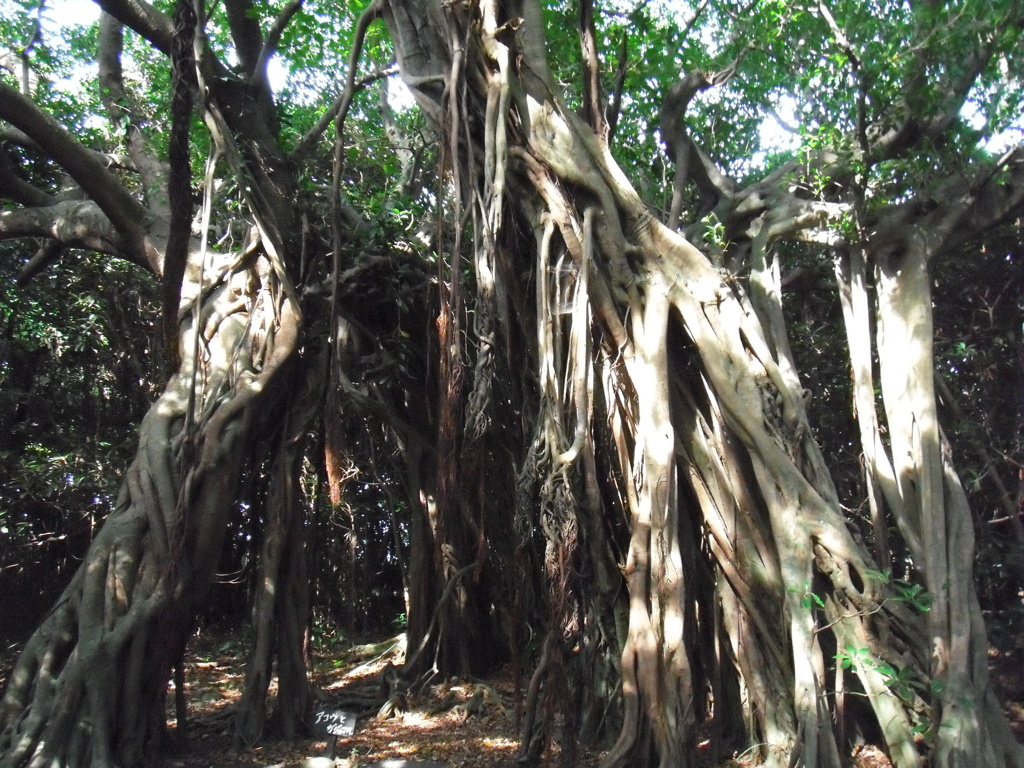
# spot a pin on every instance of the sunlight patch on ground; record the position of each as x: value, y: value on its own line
x: 498, y: 742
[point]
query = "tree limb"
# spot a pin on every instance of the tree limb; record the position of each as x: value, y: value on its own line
x: 245, y: 34
x: 71, y: 223
x: 249, y: 46
x: 274, y: 40
x: 305, y: 144
x: 593, y: 113
x: 922, y: 121
x: 142, y: 17
x: 694, y: 17
x: 994, y: 201
x: 108, y: 159
x: 49, y: 252
x: 942, y: 224
x: 615, y: 104
x: 691, y: 163
x: 179, y: 178
x: 127, y: 215
x: 13, y: 187
x: 119, y: 110
x: 156, y: 27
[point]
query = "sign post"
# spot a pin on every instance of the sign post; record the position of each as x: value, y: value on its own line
x: 334, y: 723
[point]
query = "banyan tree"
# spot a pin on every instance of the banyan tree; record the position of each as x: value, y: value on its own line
x: 603, y: 434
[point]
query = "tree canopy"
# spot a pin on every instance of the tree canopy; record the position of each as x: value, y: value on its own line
x: 667, y: 351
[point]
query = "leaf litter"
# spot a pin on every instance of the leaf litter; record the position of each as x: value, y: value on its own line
x: 458, y: 723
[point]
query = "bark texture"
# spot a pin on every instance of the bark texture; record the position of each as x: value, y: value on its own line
x: 643, y: 515
x: 91, y: 684
x: 671, y: 438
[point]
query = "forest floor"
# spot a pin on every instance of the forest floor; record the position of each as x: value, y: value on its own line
x: 457, y: 723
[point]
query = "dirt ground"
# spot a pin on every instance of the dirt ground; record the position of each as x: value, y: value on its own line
x: 452, y: 722
x: 439, y: 724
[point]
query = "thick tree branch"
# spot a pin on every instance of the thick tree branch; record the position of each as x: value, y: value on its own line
x: 274, y: 40
x: 149, y: 22
x: 941, y: 225
x: 691, y: 163
x: 71, y: 223
x: 248, y: 40
x: 930, y: 109
x: 422, y: 54
x: 13, y: 187
x: 593, y: 112
x: 615, y: 103
x: 127, y: 215
x: 245, y: 34
x: 994, y: 201
x: 49, y: 252
x: 158, y: 28
x: 119, y: 109
x: 179, y: 180
x: 107, y: 159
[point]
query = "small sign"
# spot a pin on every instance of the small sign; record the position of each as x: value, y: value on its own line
x: 334, y: 722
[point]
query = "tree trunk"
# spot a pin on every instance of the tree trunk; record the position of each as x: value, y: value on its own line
x: 281, y: 604
x: 91, y: 683
x: 964, y: 714
x: 723, y: 441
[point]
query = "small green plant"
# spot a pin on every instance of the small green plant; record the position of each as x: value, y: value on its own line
x: 807, y: 597
x: 714, y: 232
x: 914, y: 595
x: 848, y: 658
x: 904, y: 682
x: 907, y: 684
x: 327, y: 636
